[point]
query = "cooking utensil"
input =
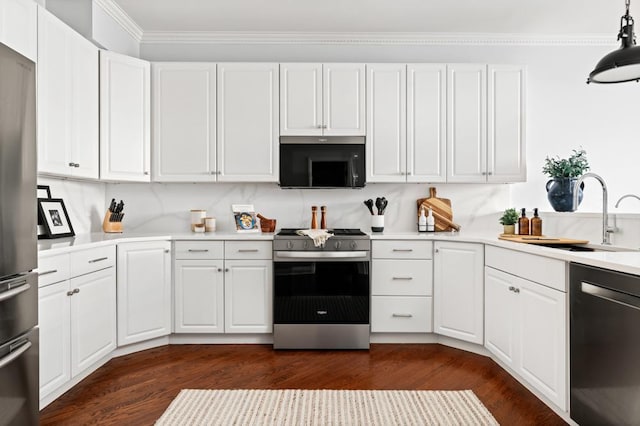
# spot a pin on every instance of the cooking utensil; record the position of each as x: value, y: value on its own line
x: 383, y: 204
x: 379, y: 204
x: 369, y: 204
x: 441, y: 210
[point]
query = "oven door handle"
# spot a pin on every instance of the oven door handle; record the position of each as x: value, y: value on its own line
x: 15, y: 354
x: 321, y: 254
x: 610, y: 295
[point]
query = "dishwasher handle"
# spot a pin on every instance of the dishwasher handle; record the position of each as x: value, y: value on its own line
x: 611, y: 295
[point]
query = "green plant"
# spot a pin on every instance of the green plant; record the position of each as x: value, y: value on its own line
x: 509, y: 217
x: 571, y: 167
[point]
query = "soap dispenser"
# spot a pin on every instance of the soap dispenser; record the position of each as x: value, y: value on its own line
x: 523, y: 223
x: 431, y: 222
x: 422, y: 221
x: 536, y: 224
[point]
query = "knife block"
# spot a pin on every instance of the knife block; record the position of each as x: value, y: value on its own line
x: 111, y: 227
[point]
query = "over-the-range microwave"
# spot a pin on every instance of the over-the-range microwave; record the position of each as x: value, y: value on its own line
x: 322, y: 162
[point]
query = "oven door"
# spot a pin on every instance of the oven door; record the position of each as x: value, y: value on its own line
x: 321, y: 292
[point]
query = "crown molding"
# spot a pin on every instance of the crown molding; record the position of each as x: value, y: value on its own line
x: 378, y: 38
x: 121, y: 17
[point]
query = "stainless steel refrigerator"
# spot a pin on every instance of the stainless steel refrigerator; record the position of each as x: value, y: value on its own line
x: 18, y: 242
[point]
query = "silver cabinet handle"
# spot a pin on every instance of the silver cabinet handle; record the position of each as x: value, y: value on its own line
x: 322, y: 312
x: 198, y: 250
x: 514, y: 289
x: 100, y: 259
x: 167, y: 251
x: 13, y: 293
x: 71, y: 164
x: 146, y: 173
x: 402, y: 315
x: 52, y: 271
x: 77, y: 165
x: 247, y: 250
x: 324, y: 126
x: 212, y: 173
x: 76, y: 290
x: 70, y: 293
x: 219, y: 269
x: 489, y: 173
x: 226, y: 269
x: 14, y: 355
x: 517, y: 290
x: 437, y: 251
x: 319, y: 126
x: 402, y: 278
x: 406, y: 250
x: 511, y: 288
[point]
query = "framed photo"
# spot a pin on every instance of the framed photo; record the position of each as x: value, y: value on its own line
x: 43, y: 191
x: 244, y: 216
x: 55, y: 218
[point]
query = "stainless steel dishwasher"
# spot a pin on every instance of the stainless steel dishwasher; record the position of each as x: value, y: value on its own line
x: 605, y: 346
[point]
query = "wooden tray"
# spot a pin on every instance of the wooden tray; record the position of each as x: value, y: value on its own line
x: 543, y: 239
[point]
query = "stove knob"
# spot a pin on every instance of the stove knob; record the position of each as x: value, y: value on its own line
x: 337, y: 244
x: 354, y: 245
x: 289, y: 245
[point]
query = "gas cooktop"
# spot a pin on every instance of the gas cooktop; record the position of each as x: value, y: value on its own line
x: 290, y: 232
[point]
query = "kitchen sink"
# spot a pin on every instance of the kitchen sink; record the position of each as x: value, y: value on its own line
x: 585, y: 247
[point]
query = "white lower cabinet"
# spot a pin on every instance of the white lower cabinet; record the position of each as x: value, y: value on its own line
x: 458, y: 290
x: 401, y: 287
x: 525, y: 328
x: 77, y: 319
x: 144, y: 291
x: 223, y: 287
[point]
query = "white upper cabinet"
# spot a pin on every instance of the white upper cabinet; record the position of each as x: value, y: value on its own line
x: 426, y: 123
x: 18, y: 26
x: 466, y: 123
x: 506, y: 160
x: 124, y: 118
x: 247, y: 122
x: 322, y: 99
x: 386, y: 123
x: 184, y: 122
x: 67, y: 101
x: 486, y: 123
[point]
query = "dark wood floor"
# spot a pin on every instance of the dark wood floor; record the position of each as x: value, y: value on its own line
x: 137, y: 388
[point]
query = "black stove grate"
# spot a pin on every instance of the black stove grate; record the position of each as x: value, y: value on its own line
x: 287, y: 232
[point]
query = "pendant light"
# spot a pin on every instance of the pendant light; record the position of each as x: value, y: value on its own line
x: 623, y: 64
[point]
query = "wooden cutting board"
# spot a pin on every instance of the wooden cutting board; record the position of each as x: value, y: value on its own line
x: 441, y: 208
x: 530, y: 239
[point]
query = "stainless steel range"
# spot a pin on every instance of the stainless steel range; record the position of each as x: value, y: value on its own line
x: 321, y: 294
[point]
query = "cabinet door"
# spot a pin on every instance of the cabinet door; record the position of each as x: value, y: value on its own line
x: 54, y: 102
x: 506, y: 124
x: 500, y: 307
x: 55, y: 341
x: 458, y: 290
x: 124, y: 117
x: 248, y: 296
x: 300, y: 99
x: 93, y: 318
x: 199, y: 301
x: 84, y: 108
x: 184, y: 122
x: 144, y: 291
x: 386, y: 123
x: 541, y: 317
x: 466, y: 123
x: 248, y: 136
x: 426, y: 123
x: 343, y: 99
x: 18, y: 26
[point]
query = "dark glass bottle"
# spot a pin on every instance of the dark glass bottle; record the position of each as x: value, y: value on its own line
x: 536, y: 224
x: 523, y: 223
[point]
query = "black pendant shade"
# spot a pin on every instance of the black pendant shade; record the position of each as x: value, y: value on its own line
x: 623, y: 64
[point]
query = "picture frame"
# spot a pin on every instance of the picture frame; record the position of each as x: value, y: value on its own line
x: 244, y: 217
x: 55, y: 218
x: 43, y: 191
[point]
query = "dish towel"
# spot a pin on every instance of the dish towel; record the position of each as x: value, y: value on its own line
x: 319, y: 236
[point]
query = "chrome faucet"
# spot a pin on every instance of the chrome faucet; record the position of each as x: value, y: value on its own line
x: 626, y: 196
x: 606, y: 229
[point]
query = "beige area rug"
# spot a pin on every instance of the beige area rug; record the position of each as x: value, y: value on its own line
x: 326, y: 407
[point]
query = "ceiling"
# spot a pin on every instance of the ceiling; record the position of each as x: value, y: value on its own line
x: 539, y: 17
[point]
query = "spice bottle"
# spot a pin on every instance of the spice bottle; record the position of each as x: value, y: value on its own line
x: 314, y: 217
x: 323, y: 219
x: 523, y: 223
x: 536, y: 224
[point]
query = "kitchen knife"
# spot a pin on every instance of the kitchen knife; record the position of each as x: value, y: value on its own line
x: 119, y: 207
x: 112, y: 206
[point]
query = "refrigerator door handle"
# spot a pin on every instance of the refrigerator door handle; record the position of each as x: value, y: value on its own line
x: 13, y: 293
x: 15, y: 354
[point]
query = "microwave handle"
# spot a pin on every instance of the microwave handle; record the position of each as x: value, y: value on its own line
x: 354, y: 175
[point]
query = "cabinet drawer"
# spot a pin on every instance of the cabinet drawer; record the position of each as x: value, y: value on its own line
x: 53, y: 269
x: 397, y: 314
x: 248, y: 250
x: 540, y: 269
x: 199, y: 250
x: 90, y: 260
x: 398, y: 249
x: 402, y: 277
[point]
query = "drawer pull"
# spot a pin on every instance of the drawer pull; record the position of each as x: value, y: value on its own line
x: 52, y: 271
x: 198, y: 250
x: 100, y: 259
x: 402, y: 278
x: 514, y: 289
x: 402, y: 315
x: 247, y: 250
x: 405, y: 250
x: 13, y: 293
